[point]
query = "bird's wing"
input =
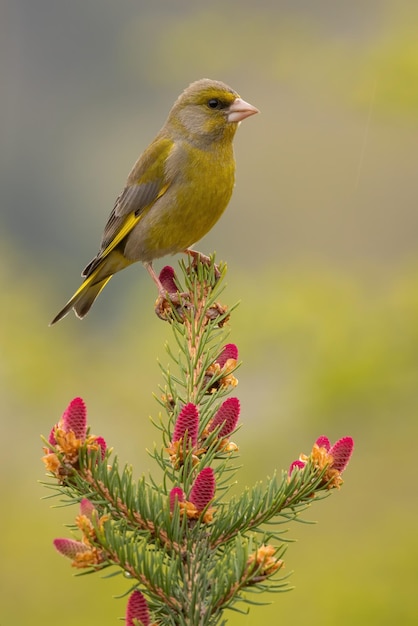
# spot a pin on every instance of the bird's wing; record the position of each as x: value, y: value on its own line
x: 146, y: 183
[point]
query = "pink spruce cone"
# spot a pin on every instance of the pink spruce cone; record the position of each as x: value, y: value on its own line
x: 70, y: 547
x: 75, y: 418
x: 323, y: 442
x: 137, y: 608
x: 296, y: 465
x: 102, y: 444
x: 51, y: 438
x: 341, y: 452
x: 176, y: 493
x: 228, y: 415
x: 187, y: 421
x: 87, y: 508
x: 166, y: 277
x: 203, y: 489
x: 229, y: 351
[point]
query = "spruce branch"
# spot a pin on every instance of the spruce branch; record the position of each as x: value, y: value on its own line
x: 189, y: 550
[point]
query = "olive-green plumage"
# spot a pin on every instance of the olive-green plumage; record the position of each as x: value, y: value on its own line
x: 176, y: 191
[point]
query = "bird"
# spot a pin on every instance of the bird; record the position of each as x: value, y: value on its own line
x: 176, y: 191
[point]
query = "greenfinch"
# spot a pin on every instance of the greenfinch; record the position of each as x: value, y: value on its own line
x: 176, y: 191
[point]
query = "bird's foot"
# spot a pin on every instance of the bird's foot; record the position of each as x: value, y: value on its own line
x: 170, y: 306
x: 199, y: 257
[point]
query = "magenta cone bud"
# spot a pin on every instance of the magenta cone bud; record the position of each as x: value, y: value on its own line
x: 187, y: 421
x: 341, y: 452
x: 70, y: 548
x: 176, y: 493
x: 323, y: 442
x: 296, y: 465
x: 229, y: 351
x: 203, y: 489
x: 227, y: 414
x: 166, y: 278
x: 51, y: 438
x: 75, y: 418
x: 137, y: 608
x: 102, y: 444
x: 87, y: 508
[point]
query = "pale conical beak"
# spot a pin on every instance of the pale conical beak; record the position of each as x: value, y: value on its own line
x: 240, y: 109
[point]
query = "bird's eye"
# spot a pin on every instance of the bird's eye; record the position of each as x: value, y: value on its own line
x: 215, y: 103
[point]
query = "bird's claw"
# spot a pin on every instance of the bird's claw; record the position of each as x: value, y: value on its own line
x: 170, y: 306
x: 199, y: 257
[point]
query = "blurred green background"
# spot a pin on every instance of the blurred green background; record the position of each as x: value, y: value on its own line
x: 321, y: 244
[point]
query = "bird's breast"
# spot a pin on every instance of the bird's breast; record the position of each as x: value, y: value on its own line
x: 201, y: 187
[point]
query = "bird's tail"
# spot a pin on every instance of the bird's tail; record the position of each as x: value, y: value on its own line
x: 82, y: 300
x: 87, y: 293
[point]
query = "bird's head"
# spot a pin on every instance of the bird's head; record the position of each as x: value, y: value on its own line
x: 208, y: 110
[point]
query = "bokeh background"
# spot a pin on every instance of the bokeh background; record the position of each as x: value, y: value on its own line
x: 321, y: 244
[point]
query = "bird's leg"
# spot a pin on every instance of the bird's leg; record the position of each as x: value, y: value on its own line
x: 167, y: 299
x: 161, y: 291
x: 206, y: 260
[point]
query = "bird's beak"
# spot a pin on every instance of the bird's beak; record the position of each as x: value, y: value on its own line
x: 240, y: 109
